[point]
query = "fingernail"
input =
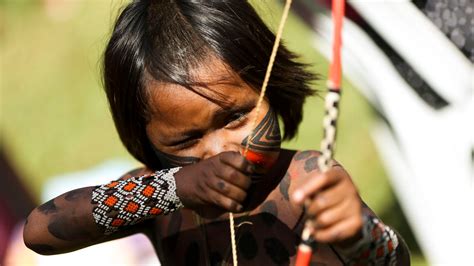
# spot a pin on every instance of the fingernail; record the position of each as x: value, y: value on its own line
x: 298, y: 196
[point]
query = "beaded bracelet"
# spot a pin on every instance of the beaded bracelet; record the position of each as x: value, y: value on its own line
x: 127, y: 202
x: 376, y: 247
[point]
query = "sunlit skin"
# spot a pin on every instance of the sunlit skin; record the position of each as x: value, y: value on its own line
x: 267, y: 194
x: 185, y: 124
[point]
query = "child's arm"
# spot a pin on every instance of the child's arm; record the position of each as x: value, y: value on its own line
x: 341, y: 218
x: 91, y: 215
x: 66, y: 223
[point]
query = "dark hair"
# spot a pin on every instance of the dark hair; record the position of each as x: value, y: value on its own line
x: 165, y: 39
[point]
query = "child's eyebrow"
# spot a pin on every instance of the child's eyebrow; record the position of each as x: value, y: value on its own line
x: 223, y: 112
x: 226, y: 111
x: 219, y: 114
x: 182, y: 136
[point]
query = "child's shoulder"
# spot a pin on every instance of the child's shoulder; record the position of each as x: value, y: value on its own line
x: 303, y: 161
x: 278, y: 202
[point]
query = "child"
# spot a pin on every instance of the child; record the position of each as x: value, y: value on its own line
x: 182, y: 79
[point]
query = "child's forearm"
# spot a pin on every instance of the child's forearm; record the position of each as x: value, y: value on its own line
x: 90, y: 215
x: 62, y: 224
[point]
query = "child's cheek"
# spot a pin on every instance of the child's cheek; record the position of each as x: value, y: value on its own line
x: 265, y: 142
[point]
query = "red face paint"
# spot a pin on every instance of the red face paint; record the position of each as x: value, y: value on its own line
x: 264, y: 160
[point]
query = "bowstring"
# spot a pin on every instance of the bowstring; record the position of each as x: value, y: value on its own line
x: 271, y: 61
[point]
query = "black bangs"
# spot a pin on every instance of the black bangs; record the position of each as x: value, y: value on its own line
x: 166, y: 39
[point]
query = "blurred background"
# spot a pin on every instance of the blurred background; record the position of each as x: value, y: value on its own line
x: 57, y: 132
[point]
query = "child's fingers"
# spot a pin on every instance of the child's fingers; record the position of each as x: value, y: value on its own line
x: 229, y: 190
x: 313, y: 185
x: 235, y: 177
x: 237, y: 161
x: 326, y: 199
x: 215, y: 198
x: 331, y: 216
x: 345, y: 229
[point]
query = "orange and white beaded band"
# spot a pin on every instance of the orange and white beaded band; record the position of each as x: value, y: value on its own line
x: 377, y: 246
x: 127, y: 202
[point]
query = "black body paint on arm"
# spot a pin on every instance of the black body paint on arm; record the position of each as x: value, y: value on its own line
x: 41, y: 248
x: 76, y: 194
x: 62, y: 230
x: 48, y: 207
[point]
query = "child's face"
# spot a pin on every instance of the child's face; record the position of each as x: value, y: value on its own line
x: 186, y: 127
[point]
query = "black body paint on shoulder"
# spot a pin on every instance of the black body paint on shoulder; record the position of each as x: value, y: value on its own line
x: 311, y: 164
x: 48, y: 207
x: 302, y: 155
x: 276, y: 251
x: 247, y: 246
x: 170, y: 161
x: 285, y: 185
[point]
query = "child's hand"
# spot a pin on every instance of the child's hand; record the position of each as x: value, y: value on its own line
x: 220, y: 181
x: 332, y: 204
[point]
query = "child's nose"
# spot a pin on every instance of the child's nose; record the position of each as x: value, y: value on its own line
x: 218, y: 145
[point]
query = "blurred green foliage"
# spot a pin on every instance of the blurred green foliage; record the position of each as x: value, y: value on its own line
x: 54, y: 114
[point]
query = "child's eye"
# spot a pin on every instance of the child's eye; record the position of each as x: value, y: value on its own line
x: 185, y: 144
x: 236, y: 120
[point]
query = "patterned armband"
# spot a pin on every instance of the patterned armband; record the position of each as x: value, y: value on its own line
x: 127, y: 202
x: 377, y: 246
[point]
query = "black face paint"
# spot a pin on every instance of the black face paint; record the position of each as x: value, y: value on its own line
x: 264, y: 146
x: 266, y: 135
x: 170, y: 161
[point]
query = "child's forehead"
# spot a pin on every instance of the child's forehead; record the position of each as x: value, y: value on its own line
x: 216, y: 84
x: 169, y: 98
x: 176, y: 109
